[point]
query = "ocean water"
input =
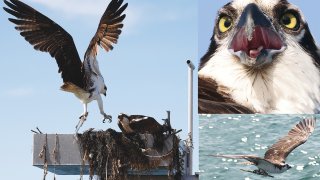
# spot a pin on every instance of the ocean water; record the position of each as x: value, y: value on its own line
x: 253, y: 134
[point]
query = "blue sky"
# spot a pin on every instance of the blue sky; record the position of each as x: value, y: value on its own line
x: 146, y: 74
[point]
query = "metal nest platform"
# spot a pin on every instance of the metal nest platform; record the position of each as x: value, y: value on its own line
x: 62, y: 154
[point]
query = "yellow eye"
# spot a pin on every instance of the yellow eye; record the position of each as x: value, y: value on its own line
x: 290, y: 21
x: 225, y: 23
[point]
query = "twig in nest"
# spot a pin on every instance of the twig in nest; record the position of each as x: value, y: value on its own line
x: 36, y: 132
x: 39, y: 130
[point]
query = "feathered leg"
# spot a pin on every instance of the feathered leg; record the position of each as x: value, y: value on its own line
x: 82, y: 118
x: 105, y: 116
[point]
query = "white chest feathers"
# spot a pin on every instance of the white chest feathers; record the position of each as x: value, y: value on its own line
x: 290, y: 85
x: 270, y: 168
x: 95, y: 81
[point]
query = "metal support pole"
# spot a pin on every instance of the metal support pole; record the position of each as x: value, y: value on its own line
x: 190, y: 116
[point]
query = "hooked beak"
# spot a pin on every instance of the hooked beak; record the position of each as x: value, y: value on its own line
x: 121, y: 116
x: 255, y: 41
x: 105, y: 94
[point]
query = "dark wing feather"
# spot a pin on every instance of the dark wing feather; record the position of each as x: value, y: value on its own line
x: 298, y: 135
x: 251, y: 158
x: 109, y: 28
x: 213, y: 100
x: 47, y: 36
x: 212, y: 107
x: 143, y: 124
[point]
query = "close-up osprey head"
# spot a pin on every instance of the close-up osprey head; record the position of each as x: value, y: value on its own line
x: 263, y: 58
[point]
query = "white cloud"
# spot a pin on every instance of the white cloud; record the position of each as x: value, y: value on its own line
x: 86, y: 8
x: 20, y: 92
x: 75, y: 7
x: 147, y: 10
x: 138, y: 13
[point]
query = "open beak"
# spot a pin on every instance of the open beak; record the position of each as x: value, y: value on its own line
x: 255, y: 41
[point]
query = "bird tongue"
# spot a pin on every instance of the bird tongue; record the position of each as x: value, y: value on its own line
x: 254, y: 53
x: 261, y: 38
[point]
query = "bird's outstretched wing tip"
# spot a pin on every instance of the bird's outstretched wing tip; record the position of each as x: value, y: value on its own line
x: 233, y: 156
x: 6, y: 2
x: 5, y: 9
x: 312, y: 119
x: 125, y: 6
x: 307, y: 124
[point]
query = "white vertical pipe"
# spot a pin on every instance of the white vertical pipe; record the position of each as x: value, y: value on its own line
x: 190, y: 115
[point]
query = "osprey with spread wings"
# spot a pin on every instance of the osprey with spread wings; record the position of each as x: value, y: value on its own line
x: 84, y: 79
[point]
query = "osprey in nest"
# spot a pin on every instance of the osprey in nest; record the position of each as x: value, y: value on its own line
x: 84, y: 79
x: 275, y: 156
x: 262, y: 59
x: 139, y: 124
x: 142, y: 125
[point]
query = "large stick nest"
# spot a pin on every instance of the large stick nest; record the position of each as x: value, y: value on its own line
x: 111, y: 154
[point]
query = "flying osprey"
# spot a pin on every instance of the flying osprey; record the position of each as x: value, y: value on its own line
x: 81, y: 78
x: 139, y: 124
x: 275, y: 156
x: 262, y: 59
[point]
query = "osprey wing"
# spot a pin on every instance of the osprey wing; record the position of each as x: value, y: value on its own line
x: 212, y: 99
x: 109, y: 28
x: 47, y: 36
x: 252, y: 158
x: 298, y: 135
x: 213, y: 107
x: 143, y: 124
